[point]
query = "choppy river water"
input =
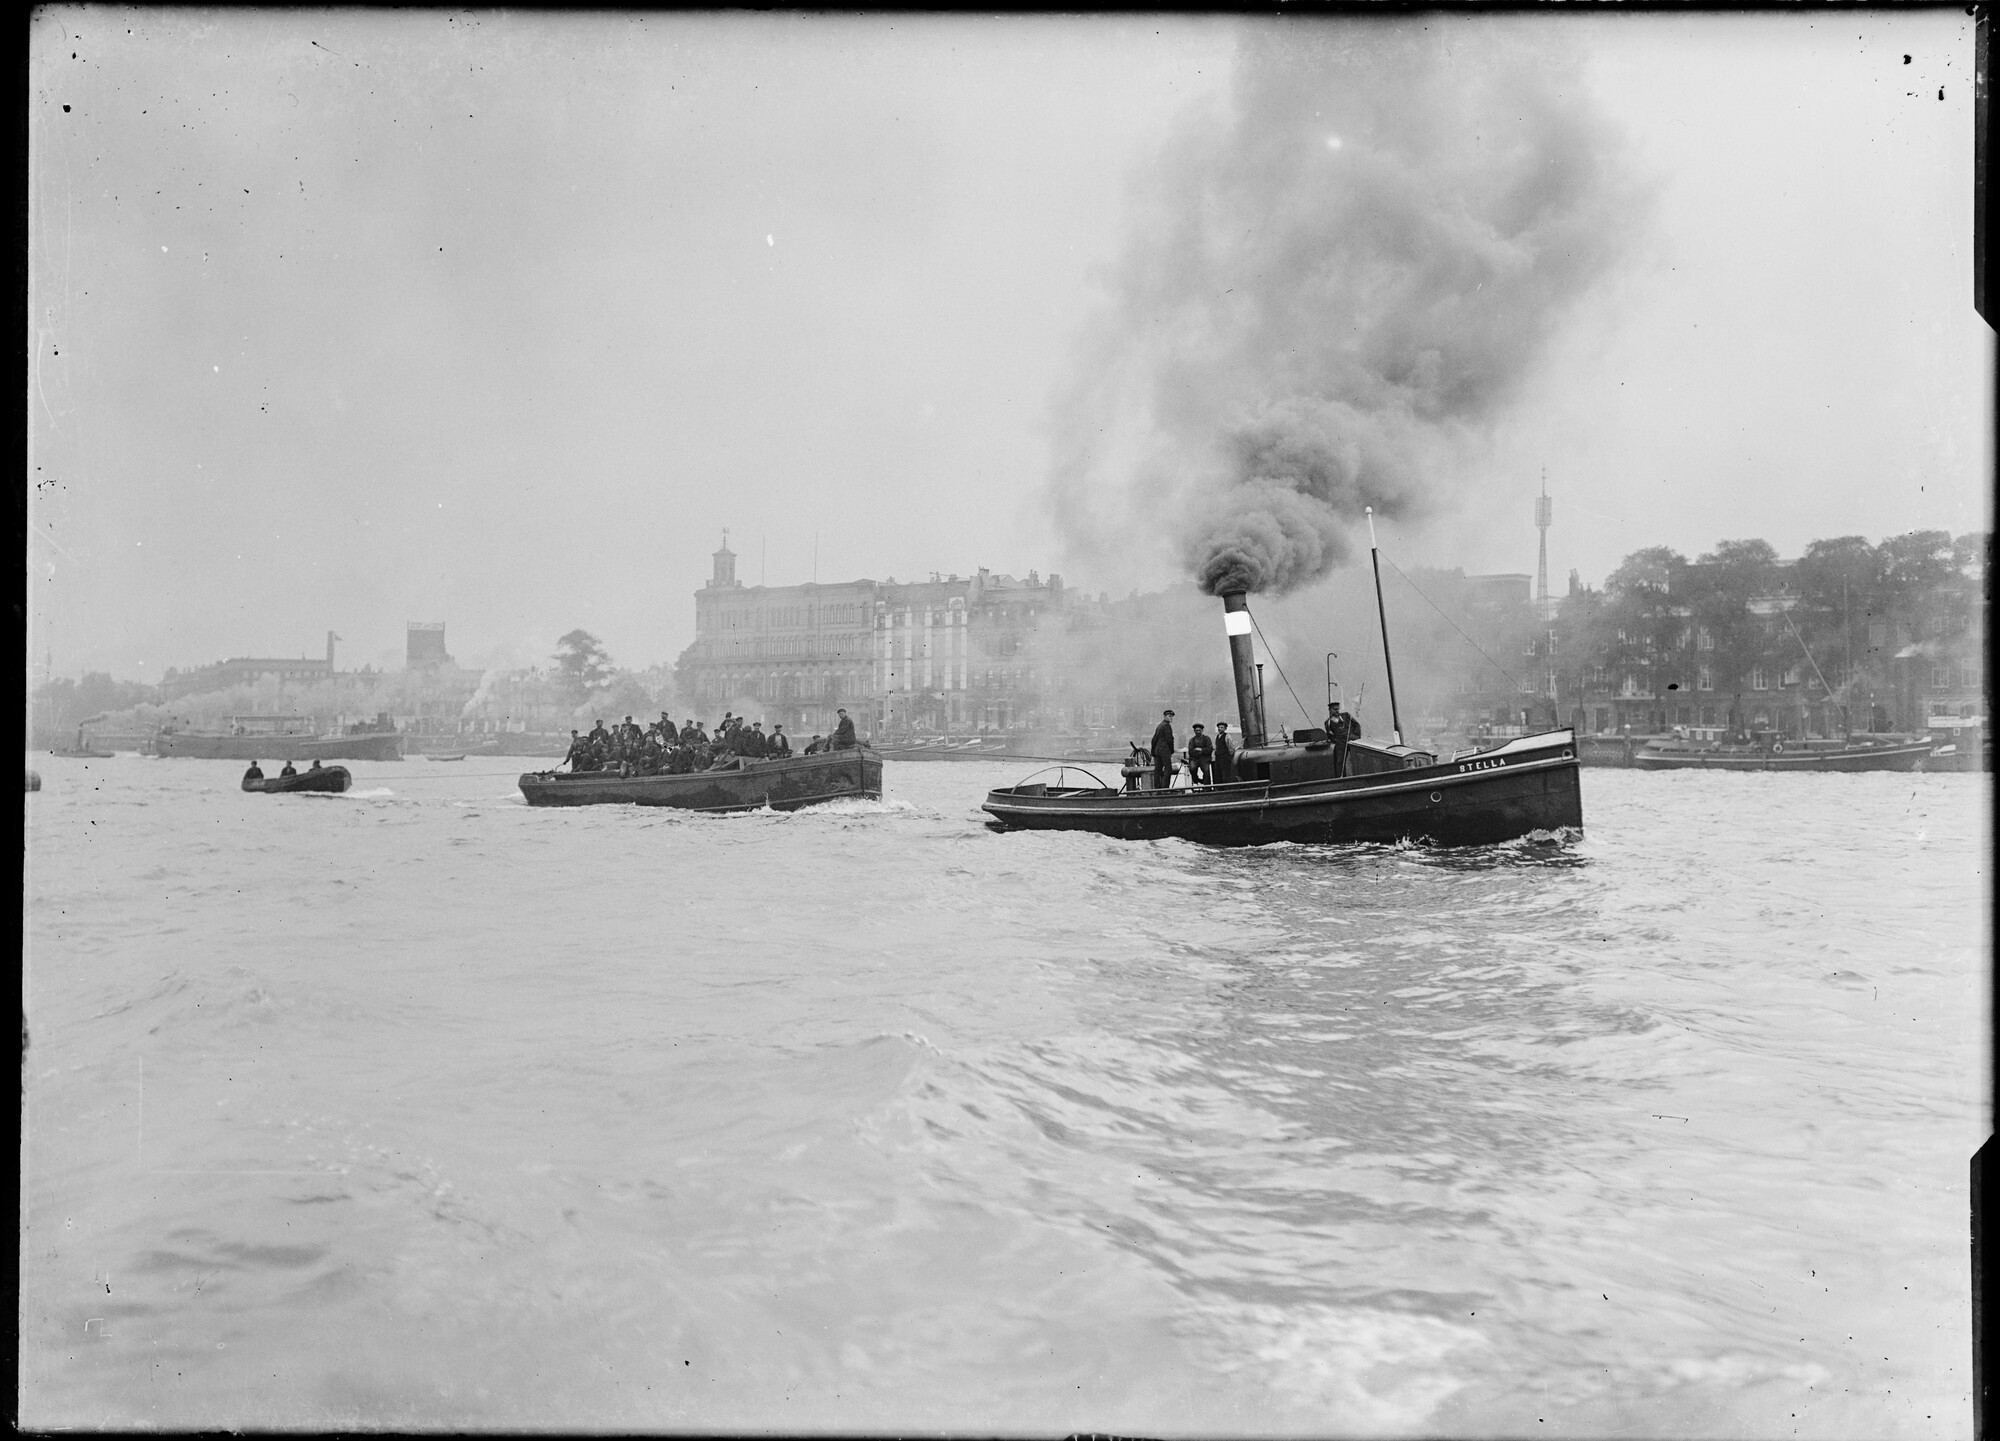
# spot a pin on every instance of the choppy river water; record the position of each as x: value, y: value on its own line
x: 415, y: 1107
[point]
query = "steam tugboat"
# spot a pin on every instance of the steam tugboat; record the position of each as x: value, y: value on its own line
x: 1306, y: 787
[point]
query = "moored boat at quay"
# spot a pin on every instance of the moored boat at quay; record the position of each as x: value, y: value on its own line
x: 1765, y: 751
x: 280, y: 738
x: 783, y: 784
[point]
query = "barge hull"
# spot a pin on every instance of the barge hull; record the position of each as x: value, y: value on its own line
x: 783, y: 785
x: 1882, y: 758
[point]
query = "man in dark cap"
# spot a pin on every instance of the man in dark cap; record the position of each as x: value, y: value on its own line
x: 1199, y: 749
x: 577, y: 758
x: 1225, y: 755
x: 843, y: 734
x: 1340, y: 729
x: 1163, y: 751
x: 777, y: 746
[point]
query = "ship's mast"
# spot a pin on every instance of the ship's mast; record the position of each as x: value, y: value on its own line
x: 1375, y: 559
x: 1544, y: 513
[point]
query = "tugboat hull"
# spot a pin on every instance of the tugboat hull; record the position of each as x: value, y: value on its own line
x: 1528, y: 785
x: 783, y: 785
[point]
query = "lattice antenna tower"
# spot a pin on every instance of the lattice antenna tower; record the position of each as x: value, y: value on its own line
x: 1544, y: 512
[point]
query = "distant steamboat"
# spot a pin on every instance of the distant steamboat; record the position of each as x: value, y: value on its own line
x: 281, y: 738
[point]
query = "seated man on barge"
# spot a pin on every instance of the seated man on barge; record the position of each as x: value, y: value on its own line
x: 843, y: 734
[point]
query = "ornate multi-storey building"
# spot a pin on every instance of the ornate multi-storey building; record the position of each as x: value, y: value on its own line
x: 948, y: 654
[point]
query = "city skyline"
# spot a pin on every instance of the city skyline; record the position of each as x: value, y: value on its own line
x: 347, y: 341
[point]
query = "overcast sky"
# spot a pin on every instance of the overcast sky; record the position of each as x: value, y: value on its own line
x: 342, y: 320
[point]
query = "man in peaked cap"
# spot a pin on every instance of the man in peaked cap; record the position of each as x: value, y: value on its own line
x: 1163, y: 751
x: 1200, y: 749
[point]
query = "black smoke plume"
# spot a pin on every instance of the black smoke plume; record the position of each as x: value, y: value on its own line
x: 1334, y: 283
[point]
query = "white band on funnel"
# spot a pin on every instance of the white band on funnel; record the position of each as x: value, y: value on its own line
x: 1236, y: 622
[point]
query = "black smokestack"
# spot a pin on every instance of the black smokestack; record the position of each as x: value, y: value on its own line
x: 1335, y: 285
x: 1243, y: 662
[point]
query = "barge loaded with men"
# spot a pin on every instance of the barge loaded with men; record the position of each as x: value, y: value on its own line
x: 1314, y: 785
x: 783, y: 784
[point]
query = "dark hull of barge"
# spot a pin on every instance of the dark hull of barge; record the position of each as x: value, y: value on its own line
x: 1673, y: 757
x: 1527, y: 786
x: 783, y: 785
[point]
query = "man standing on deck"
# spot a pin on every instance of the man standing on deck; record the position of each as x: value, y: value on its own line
x: 1340, y: 729
x: 778, y: 746
x: 1225, y: 755
x: 843, y: 734
x: 1200, y: 748
x: 1163, y: 751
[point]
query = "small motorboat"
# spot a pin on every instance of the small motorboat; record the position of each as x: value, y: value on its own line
x: 331, y: 779
x: 74, y: 754
x: 444, y: 755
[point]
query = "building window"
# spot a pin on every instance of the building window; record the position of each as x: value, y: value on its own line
x: 1704, y: 679
x: 1702, y: 639
x: 1760, y: 679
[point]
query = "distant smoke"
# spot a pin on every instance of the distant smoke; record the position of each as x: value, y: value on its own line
x: 1333, y: 286
x: 480, y: 696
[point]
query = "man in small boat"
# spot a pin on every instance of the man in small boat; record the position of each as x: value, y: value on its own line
x: 1225, y: 755
x: 255, y: 773
x: 1163, y: 751
x: 777, y: 745
x: 1199, y: 751
x: 289, y: 770
x: 577, y: 757
x: 843, y: 734
x: 815, y: 745
x: 758, y: 745
x: 309, y: 769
